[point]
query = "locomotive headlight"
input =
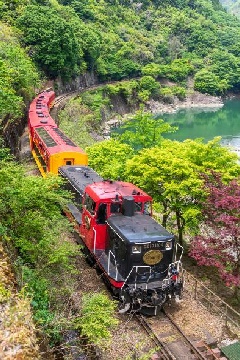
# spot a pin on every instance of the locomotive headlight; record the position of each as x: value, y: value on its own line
x: 168, y: 245
x: 136, y: 249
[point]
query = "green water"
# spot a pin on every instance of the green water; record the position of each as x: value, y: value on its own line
x: 208, y: 123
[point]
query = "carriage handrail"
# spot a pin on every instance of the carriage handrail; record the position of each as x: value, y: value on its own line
x: 109, y: 255
x: 136, y: 272
x: 177, y: 247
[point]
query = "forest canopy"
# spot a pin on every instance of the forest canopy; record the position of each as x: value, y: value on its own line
x: 167, y: 39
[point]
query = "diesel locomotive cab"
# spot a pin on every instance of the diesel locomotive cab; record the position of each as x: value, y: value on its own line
x: 143, y: 252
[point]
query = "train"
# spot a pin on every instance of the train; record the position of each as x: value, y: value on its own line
x: 139, y: 259
x: 50, y: 147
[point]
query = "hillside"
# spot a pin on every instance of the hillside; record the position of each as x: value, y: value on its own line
x: 167, y: 39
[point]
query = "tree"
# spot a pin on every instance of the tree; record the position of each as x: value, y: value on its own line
x: 152, y: 69
x: 179, y: 69
x: 226, y: 66
x: 218, y: 244
x: 171, y: 179
x: 9, y: 9
x: 37, y: 235
x: 30, y: 215
x: 206, y: 81
x: 18, y: 76
x: 50, y: 35
x: 97, y: 318
x: 22, y: 73
x: 109, y: 157
x: 170, y: 174
x: 10, y: 103
x: 143, y: 131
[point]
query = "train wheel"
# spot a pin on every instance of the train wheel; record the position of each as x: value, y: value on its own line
x: 123, y: 307
x: 90, y: 260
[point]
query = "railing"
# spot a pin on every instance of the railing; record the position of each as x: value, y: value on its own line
x: 136, y: 269
x: 197, y: 290
x: 109, y: 263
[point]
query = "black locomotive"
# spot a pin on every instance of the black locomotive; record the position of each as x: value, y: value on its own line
x: 136, y: 254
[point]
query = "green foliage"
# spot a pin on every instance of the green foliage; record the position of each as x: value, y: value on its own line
x: 36, y: 288
x: 126, y: 89
x: 95, y: 101
x: 179, y: 70
x: 9, y: 9
x: 5, y: 294
x: 97, y: 318
x: 30, y: 210
x: 226, y: 66
x: 32, y: 223
x: 170, y: 39
x: 143, y: 131
x: 18, y: 76
x: 166, y: 94
x: 170, y: 173
x: 10, y: 103
x: 108, y: 158
x: 152, y: 69
x: 50, y: 35
x: 179, y: 91
x: 20, y: 69
x: 77, y: 120
x: 149, y: 83
x: 207, y: 82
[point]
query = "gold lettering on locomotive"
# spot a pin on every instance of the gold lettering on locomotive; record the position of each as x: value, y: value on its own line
x: 152, y: 257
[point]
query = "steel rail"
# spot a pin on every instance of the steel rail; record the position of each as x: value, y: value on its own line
x: 193, y: 348
x: 163, y: 350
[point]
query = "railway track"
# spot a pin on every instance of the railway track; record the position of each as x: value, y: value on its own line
x: 171, y: 342
x: 163, y: 351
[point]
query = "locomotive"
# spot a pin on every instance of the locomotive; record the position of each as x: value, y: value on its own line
x: 136, y: 255
x: 113, y: 220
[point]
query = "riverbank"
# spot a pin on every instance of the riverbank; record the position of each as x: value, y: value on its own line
x: 193, y: 100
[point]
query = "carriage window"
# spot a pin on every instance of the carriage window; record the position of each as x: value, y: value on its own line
x: 101, y: 213
x: 90, y: 204
x: 138, y: 206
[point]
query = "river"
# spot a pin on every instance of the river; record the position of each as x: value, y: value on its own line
x: 208, y: 123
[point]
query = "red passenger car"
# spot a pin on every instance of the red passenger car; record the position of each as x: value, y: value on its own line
x: 50, y: 147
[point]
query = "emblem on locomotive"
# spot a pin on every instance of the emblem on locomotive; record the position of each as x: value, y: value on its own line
x: 152, y: 257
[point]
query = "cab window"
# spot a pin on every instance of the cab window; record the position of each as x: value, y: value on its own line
x: 115, y: 207
x: 147, y: 210
x: 90, y: 205
x: 138, y: 206
x: 101, y: 213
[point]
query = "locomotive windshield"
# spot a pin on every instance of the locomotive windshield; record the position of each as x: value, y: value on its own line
x: 115, y: 207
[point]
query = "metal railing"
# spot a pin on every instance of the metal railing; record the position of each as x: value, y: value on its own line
x: 110, y: 254
x: 215, y: 305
